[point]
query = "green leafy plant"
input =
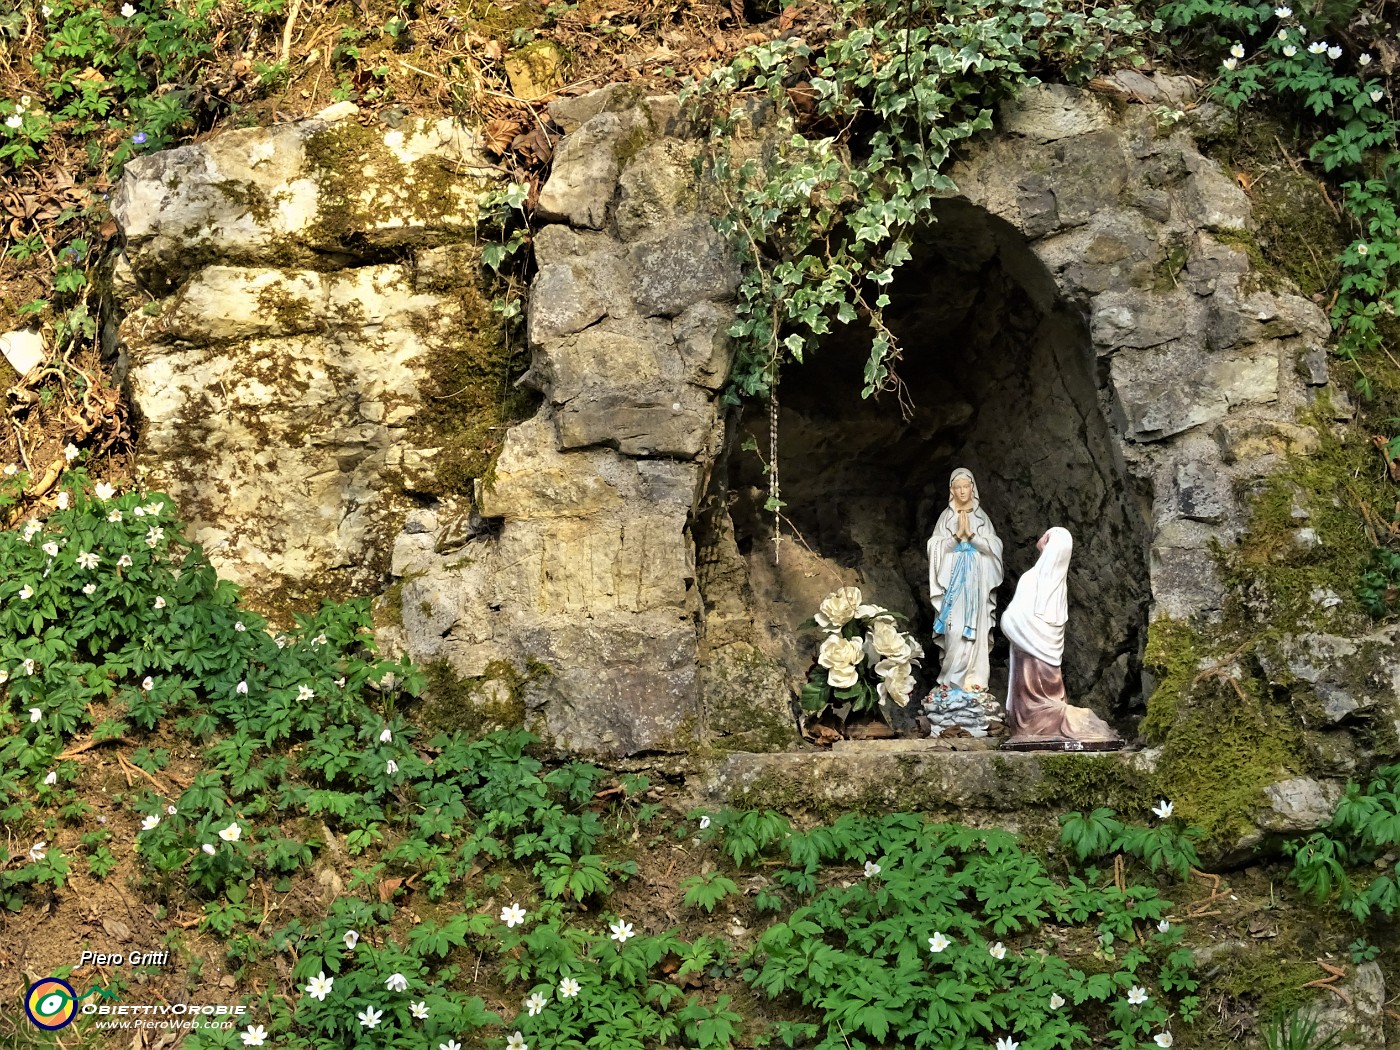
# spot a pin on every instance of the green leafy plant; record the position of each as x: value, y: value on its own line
x: 1298, y: 1031
x: 1339, y: 862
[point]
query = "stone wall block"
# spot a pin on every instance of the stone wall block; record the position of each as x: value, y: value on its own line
x: 1212, y: 198
x: 701, y: 333
x: 661, y: 420
x: 583, y: 179
x: 1136, y: 318
x: 1048, y: 112
x: 1243, y: 438
x: 679, y: 266
x: 657, y: 187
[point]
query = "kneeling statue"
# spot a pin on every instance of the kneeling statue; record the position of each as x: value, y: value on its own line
x: 1038, y: 714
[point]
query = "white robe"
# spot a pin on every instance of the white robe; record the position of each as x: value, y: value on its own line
x: 966, y: 661
x: 1035, y: 619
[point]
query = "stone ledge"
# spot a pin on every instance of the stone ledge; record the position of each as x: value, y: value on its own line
x: 911, y: 775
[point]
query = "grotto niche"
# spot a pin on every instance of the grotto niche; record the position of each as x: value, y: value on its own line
x: 1001, y: 377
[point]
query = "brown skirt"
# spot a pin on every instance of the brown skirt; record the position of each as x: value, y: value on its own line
x: 1037, y: 708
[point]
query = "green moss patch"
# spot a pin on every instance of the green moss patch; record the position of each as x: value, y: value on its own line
x: 480, y: 705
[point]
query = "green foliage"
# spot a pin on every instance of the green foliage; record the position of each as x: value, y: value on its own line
x: 1341, y: 862
x: 1379, y: 589
x: 895, y: 90
x: 1292, y: 60
x: 708, y: 889
x: 1101, y: 834
x: 1298, y: 1031
x: 913, y: 954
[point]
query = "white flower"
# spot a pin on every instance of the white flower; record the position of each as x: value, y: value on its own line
x: 28, y: 666
x: 148, y: 683
x: 1361, y: 249
x: 87, y: 560
x: 31, y: 529
x: 1377, y: 94
x: 1007, y: 1043
x: 128, y: 10
x: 516, y: 1041
x: 14, y: 121
x: 4, y: 676
x: 105, y: 491
x: 871, y: 869
x: 1334, y: 52
x: 154, y: 535
x: 1163, y: 1039
x: 1317, y: 47
x: 241, y: 688
x: 320, y: 639
x: 451, y: 1044
x: 124, y: 561
x: 938, y: 942
x: 1237, y: 50
x: 997, y: 951
x: 70, y: 452
x: 842, y: 677
x: 386, y: 736
x: 704, y: 823
x: 568, y: 988
x: 51, y: 549
x: 535, y: 1004
x: 62, y: 501
x: 621, y: 931
x: 1363, y: 59
x: 254, y: 1034
x: 88, y: 588
x: 888, y: 640
x: 896, y: 683
x: 36, y: 851
x: 370, y: 1016
x: 154, y: 508
x: 1283, y: 12
x: 419, y: 1010
x: 1056, y: 1000
x: 396, y: 982
x: 281, y: 641
x: 1163, y: 809
x: 159, y: 602
x: 1231, y: 63
x: 26, y: 592
x: 35, y: 714
x: 391, y: 767
x: 1137, y: 995
x: 1289, y: 50
x: 238, y: 626
x: 150, y: 822
x: 11, y: 470
x: 1163, y: 926
x: 231, y: 833
x: 304, y: 693
x: 837, y: 652
x: 512, y: 915
x: 140, y: 512
x: 171, y: 810
x: 351, y: 939
x: 52, y: 778
x: 208, y: 848
x: 838, y: 608
x: 1282, y: 34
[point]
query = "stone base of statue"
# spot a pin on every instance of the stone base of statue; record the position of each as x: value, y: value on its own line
x: 952, y: 710
x: 1060, y: 744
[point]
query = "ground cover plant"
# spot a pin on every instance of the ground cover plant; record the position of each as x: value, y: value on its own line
x: 483, y: 896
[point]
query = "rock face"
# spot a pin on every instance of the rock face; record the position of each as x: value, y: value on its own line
x: 1082, y: 325
x: 278, y: 368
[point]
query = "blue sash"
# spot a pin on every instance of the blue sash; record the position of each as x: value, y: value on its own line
x: 963, y: 585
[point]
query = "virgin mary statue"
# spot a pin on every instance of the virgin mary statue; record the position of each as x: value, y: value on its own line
x: 964, y: 570
x: 1037, y: 710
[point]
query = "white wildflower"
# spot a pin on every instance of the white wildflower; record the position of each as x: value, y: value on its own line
x: 419, y: 1010
x: 254, y: 1034
x: 938, y: 942
x: 62, y: 501
x: 1237, y: 50
x: 568, y: 988
x: 148, y: 683
x: 1056, y: 1000
x: 159, y: 602
x: 1163, y: 809
x: 116, y: 515
x: 513, y: 915
x: 241, y: 688
x: 391, y: 767
x: 536, y: 1004
x: 621, y: 931
x: 124, y: 562
x: 351, y: 939
x: 51, y: 549
x: 52, y: 778
x: 35, y: 714
x: 208, y: 848
x: 516, y: 1041
x: 1317, y: 47
x: 304, y: 693
x: 154, y: 535
x: 1377, y: 94
x: 369, y: 1016
x: 105, y: 491
x: 70, y: 452
x: 704, y: 823
x: 1283, y: 12
x: 386, y: 736
x: 1289, y: 50
x: 997, y: 951
x: 871, y: 869
x: 150, y: 822
x: 1231, y: 63
x: 1137, y: 995
x: 1163, y: 1039
x: 87, y: 560
x: 88, y: 588
x: 26, y: 592
x: 396, y: 982
x: 231, y: 833
x: 36, y: 851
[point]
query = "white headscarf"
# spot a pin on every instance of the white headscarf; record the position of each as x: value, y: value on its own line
x: 1035, y: 619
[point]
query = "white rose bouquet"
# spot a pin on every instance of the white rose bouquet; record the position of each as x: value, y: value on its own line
x: 864, y: 660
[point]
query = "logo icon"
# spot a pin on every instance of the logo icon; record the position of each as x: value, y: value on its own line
x: 51, y: 1004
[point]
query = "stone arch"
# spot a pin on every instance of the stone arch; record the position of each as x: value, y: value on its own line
x: 1003, y: 378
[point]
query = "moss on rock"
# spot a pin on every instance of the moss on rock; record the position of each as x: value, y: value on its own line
x: 480, y: 705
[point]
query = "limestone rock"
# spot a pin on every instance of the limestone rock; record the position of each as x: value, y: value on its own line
x: 534, y: 70
x: 1250, y: 437
x: 1299, y: 805
x: 657, y: 187
x: 1346, y: 677
x: 290, y: 194
x: 1201, y: 493
x: 1360, y: 1023
x: 23, y: 349
x: 680, y: 266
x: 1052, y: 111
x: 583, y: 180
